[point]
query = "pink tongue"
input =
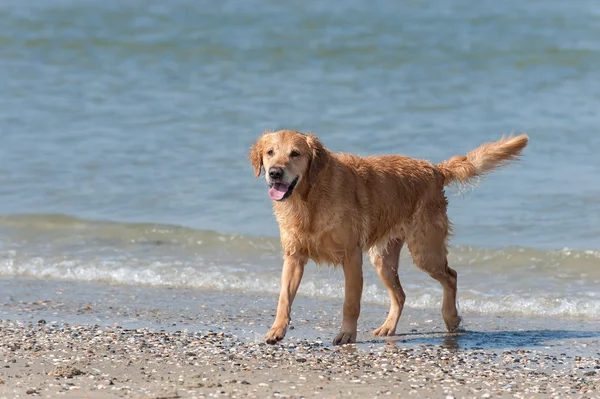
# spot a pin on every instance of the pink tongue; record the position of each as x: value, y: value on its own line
x: 278, y: 191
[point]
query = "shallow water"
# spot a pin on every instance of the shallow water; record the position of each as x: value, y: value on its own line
x: 124, y: 131
x: 34, y: 301
x: 509, y: 281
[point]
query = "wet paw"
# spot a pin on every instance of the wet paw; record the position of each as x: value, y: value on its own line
x: 275, y: 335
x: 344, y: 338
x: 385, y: 331
x: 454, y: 325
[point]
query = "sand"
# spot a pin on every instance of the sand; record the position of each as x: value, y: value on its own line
x: 90, y: 361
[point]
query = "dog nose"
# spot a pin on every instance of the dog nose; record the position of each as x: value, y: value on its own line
x: 275, y: 172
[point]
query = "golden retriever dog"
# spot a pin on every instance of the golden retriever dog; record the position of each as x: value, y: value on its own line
x: 333, y: 207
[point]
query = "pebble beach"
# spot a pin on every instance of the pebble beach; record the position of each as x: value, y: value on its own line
x: 101, y: 341
x: 54, y: 360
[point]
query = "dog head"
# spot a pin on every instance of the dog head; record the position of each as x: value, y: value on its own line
x: 288, y: 158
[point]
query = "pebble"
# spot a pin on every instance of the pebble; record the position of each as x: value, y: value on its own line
x: 212, y: 362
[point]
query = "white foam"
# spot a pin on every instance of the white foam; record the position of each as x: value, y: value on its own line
x: 317, y: 283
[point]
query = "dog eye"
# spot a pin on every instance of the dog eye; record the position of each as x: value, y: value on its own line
x: 294, y: 154
x: 270, y: 153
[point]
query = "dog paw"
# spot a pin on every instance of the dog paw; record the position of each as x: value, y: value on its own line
x: 344, y: 338
x: 454, y: 325
x: 385, y: 331
x: 275, y: 335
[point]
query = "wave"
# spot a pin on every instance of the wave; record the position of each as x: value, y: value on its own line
x: 315, y: 284
x: 57, y: 229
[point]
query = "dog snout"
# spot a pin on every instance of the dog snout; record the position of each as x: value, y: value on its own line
x: 275, y: 172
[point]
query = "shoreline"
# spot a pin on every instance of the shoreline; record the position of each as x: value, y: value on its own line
x: 92, y: 340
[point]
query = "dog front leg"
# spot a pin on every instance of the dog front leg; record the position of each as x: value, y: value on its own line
x: 291, y: 275
x: 353, y: 277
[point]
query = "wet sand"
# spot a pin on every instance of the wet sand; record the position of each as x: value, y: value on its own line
x: 99, y: 341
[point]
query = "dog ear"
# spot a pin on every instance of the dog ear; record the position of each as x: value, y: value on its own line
x: 256, y: 156
x: 318, y: 159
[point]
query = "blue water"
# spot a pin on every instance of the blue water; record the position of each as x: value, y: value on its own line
x: 143, y: 112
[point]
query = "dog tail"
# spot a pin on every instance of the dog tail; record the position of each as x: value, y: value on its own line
x: 482, y: 160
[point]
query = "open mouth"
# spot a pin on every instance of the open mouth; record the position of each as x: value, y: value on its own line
x: 280, y: 191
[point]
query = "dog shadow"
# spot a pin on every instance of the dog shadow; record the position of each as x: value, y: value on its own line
x: 491, y: 339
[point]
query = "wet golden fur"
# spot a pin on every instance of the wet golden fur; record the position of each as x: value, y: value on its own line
x: 344, y: 204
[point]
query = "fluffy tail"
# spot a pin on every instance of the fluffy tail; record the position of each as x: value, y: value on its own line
x: 482, y: 160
